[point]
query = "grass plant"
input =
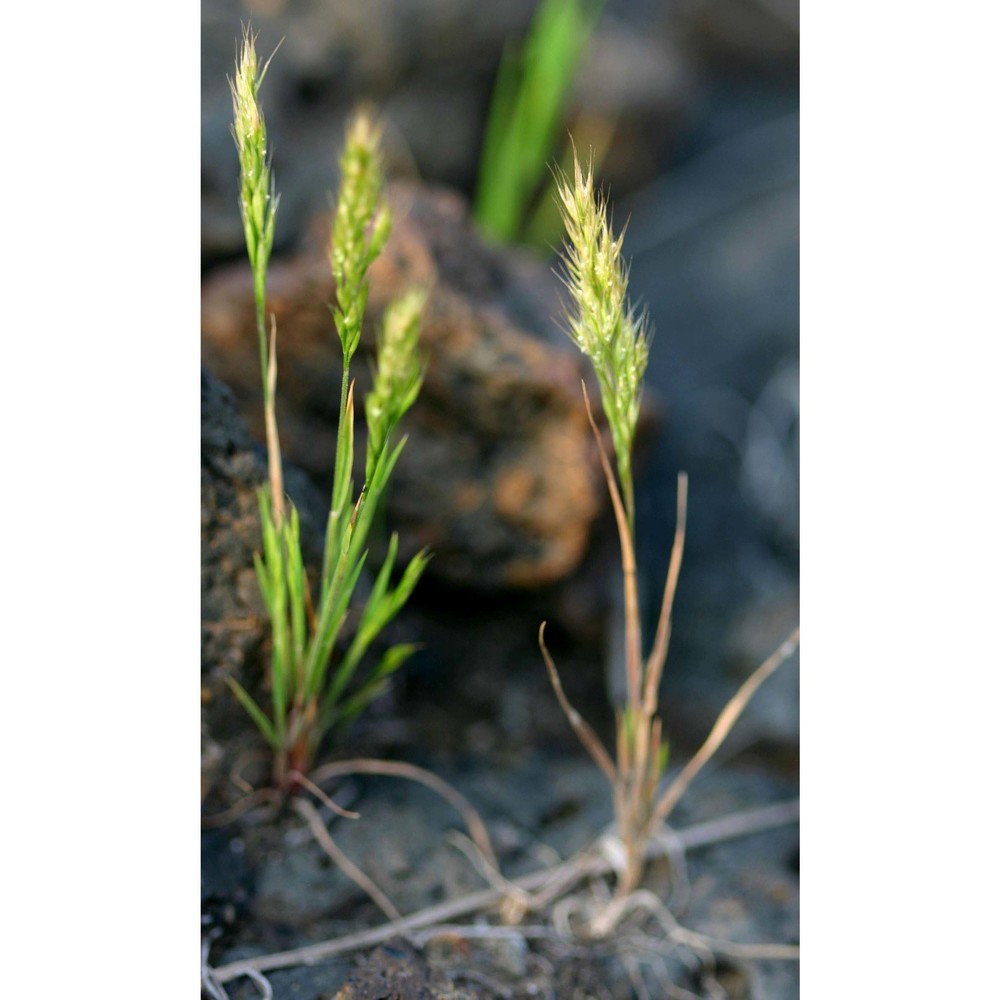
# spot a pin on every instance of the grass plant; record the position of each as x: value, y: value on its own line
x: 529, y: 102
x: 615, y: 337
x: 318, y: 674
x: 315, y: 688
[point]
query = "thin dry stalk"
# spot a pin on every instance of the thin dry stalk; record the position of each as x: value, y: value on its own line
x: 208, y: 981
x: 216, y: 992
x: 243, y: 806
x: 680, y: 884
x: 635, y: 977
x: 590, y: 740
x: 398, y: 769
x: 639, y: 732
x: 642, y: 899
x: 243, y: 759
x: 517, y: 902
x: 491, y: 875
x: 658, y: 654
x: 723, y: 725
x: 633, y: 639
x: 703, y: 943
x: 271, y: 431
x: 266, y: 992
x: 743, y: 950
x: 301, y: 779
x: 482, y: 932
x: 638, y: 735
x: 675, y: 992
x: 308, y: 812
x: 733, y: 826
x: 632, y: 772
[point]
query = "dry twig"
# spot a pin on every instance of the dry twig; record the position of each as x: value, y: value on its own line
x: 308, y: 812
x: 209, y: 984
x: 398, y: 769
x: 241, y: 808
x: 723, y: 725
x: 323, y: 797
x: 590, y: 740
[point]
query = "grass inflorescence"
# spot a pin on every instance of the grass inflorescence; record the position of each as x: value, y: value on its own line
x: 604, y: 324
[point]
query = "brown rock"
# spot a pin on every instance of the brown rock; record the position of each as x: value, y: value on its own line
x: 498, y: 477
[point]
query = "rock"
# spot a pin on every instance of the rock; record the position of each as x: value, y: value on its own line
x: 499, y: 476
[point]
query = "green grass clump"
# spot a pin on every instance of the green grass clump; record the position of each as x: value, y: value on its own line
x: 529, y: 101
x: 312, y: 691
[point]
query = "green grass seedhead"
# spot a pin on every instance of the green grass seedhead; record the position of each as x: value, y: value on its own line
x: 258, y: 203
x: 398, y: 375
x: 361, y: 226
x: 360, y: 229
x: 310, y: 693
x: 258, y: 207
x: 604, y: 324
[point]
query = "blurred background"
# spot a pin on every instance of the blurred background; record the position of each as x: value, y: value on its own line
x: 691, y: 110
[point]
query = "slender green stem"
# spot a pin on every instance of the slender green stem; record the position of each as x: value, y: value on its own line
x: 530, y: 98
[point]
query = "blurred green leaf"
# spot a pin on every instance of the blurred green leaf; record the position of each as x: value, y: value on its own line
x: 528, y: 108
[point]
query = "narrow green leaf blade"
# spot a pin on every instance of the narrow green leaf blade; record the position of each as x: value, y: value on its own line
x: 262, y: 722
